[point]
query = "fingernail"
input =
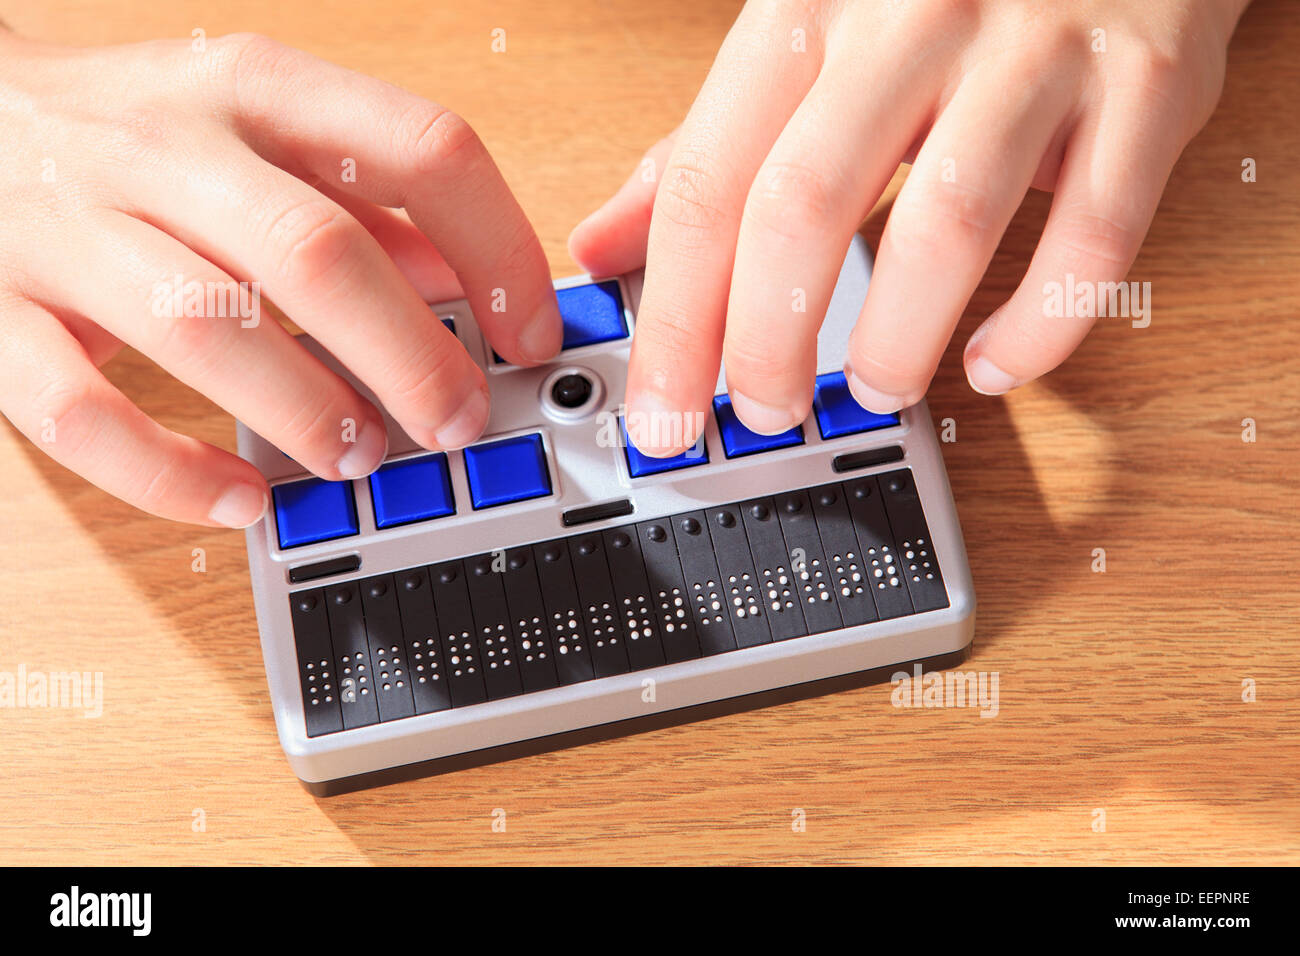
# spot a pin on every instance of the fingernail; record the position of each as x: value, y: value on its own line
x: 470, y: 420
x: 241, y: 505
x: 365, y: 454
x: 656, y: 427
x: 873, y: 400
x: 761, y: 418
x: 542, y: 336
x: 987, y: 379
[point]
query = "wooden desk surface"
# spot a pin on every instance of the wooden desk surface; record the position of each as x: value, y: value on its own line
x: 1120, y: 691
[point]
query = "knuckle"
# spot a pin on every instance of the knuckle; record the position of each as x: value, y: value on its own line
x: 432, y: 136
x: 244, y: 60
x: 944, y: 215
x: 138, y: 134
x: 315, y: 428
x: 792, y: 200
x: 753, y: 360
x: 68, y: 411
x: 689, y: 195
x: 314, y: 243
x: 667, y: 332
x: 155, y: 486
x: 1099, y: 239
x: 422, y: 377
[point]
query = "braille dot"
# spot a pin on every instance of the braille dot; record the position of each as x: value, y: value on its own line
x: 552, y: 553
x: 621, y: 540
x: 586, y: 547
x: 793, y: 505
x: 307, y: 603
x: 862, y: 491
x: 517, y: 561
x: 342, y: 595
x: 690, y: 526
x: 411, y: 582
x: 657, y: 533
x: 482, y: 566
x: 726, y: 519
x: 447, y: 575
x: 378, y: 589
x: 760, y: 512
x: 826, y: 498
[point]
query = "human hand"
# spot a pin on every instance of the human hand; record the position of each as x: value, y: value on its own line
x: 127, y: 168
x: 803, y: 119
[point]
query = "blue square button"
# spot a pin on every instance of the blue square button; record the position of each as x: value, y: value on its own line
x: 639, y: 465
x: 511, y: 469
x: 737, y: 440
x: 314, y: 510
x: 838, y: 412
x: 592, y: 313
x: 414, y: 489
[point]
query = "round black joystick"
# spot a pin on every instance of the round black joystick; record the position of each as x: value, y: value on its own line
x: 571, y: 391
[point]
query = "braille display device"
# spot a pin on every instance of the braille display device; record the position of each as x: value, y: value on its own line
x: 551, y: 585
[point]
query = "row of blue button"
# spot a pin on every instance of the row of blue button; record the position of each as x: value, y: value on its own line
x: 515, y: 469
x: 838, y: 414
x: 413, y: 489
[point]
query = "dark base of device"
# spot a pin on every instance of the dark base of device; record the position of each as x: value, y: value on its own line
x: 630, y: 726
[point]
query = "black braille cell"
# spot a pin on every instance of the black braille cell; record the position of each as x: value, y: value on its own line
x: 808, y: 562
x: 742, y: 592
x: 569, y: 641
x: 311, y: 635
x: 461, y: 655
x: 668, y: 591
x: 424, y: 646
x: 704, y: 590
x: 352, y: 662
x: 534, y: 642
x: 600, y: 617
x: 391, y: 678
x: 844, y: 562
x: 876, y: 545
x: 778, y: 589
x: 634, y: 604
x: 487, y: 598
x: 916, y: 556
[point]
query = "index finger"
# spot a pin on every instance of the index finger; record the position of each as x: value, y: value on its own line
x: 391, y: 147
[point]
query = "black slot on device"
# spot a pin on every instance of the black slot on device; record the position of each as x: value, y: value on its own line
x: 704, y: 590
x: 462, y: 658
x: 668, y: 590
x: 424, y: 651
x: 742, y: 591
x: 391, y: 679
x: 487, y: 598
x: 780, y: 592
x: 352, y: 656
x: 316, y: 672
x: 528, y: 616
x: 599, y: 616
x: 633, y: 600
x: 808, y: 562
x: 563, y: 611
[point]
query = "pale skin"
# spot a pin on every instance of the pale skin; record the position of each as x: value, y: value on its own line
x: 785, y: 150
x: 225, y: 166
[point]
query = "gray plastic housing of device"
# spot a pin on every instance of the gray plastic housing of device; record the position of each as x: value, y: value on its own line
x: 585, y: 470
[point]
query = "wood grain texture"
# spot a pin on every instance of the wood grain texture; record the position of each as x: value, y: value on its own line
x: 1119, y: 690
